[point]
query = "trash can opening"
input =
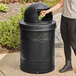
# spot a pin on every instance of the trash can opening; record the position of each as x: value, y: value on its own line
x: 32, y: 13
x: 47, y: 17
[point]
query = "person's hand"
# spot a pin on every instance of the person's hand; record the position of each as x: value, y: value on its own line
x: 44, y: 12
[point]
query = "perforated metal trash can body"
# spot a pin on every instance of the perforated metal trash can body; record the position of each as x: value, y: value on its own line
x: 37, y: 46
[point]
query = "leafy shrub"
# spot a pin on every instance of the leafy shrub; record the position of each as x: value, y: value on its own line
x: 22, y: 12
x: 3, y: 8
x: 51, y: 3
x: 9, y: 31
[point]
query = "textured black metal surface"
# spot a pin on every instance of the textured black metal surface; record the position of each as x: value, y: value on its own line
x: 37, y: 51
x: 37, y: 40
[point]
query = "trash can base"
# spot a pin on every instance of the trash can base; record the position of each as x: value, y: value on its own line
x: 37, y: 66
x: 39, y: 72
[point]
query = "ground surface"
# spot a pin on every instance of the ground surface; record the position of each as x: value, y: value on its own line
x: 10, y: 65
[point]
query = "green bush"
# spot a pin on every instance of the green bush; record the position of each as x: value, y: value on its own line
x: 9, y: 31
x: 22, y: 12
x: 51, y: 3
x: 3, y: 8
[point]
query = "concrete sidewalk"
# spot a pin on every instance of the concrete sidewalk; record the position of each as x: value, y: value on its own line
x: 58, y: 39
x: 10, y: 65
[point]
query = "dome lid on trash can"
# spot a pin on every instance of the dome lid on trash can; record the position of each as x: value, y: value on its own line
x: 33, y: 11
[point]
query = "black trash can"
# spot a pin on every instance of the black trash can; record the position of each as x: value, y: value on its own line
x: 37, y: 40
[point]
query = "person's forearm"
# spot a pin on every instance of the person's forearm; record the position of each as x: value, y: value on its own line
x: 59, y: 5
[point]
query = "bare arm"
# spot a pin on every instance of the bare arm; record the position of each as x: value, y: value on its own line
x: 56, y: 7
